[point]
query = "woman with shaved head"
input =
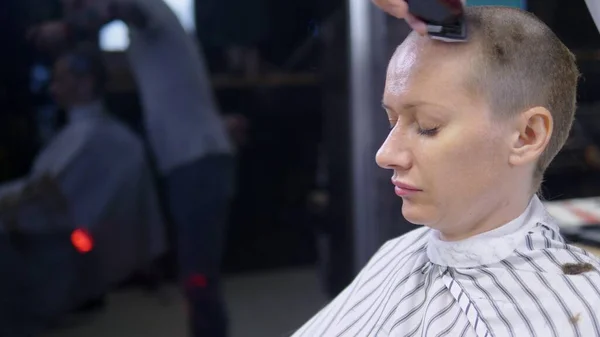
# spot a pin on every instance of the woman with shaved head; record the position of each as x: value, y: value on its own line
x: 473, y: 127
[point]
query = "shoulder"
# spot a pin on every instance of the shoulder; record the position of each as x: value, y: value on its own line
x: 545, y: 250
x: 405, y: 256
x: 114, y: 137
x: 405, y: 249
x: 418, y: 236
x: 546, y: 285
x: 119, y: 130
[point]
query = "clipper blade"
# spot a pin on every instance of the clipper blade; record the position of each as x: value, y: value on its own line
x: 444, y: 18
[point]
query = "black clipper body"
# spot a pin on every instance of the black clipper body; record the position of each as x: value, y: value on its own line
x: 444, y: 18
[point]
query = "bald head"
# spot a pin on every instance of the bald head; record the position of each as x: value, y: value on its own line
x: 512, y: 61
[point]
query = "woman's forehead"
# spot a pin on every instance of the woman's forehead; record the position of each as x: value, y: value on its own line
x: 425, y: 73
x: 440, y: 88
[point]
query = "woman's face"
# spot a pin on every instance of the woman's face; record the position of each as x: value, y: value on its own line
x: 449, y: 157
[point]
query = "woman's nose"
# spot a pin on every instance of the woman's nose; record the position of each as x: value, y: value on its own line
x: 394, y: 154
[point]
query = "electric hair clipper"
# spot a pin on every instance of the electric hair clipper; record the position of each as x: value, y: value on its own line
x: 444, y: 18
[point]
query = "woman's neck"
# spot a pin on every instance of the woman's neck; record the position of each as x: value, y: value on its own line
x: 500, y: 213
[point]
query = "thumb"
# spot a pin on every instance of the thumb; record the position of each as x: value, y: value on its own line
x: 416, y: 24
x: 397, y: 8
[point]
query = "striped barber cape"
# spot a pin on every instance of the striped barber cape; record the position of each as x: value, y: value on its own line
x: 520, y: 279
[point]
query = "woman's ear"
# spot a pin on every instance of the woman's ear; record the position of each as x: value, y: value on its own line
x: 534, y: 129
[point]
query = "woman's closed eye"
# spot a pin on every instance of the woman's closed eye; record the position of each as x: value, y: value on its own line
x: 428, y: 132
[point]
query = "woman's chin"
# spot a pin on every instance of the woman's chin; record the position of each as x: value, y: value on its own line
x: 414, y: 220
x: 415, y: 214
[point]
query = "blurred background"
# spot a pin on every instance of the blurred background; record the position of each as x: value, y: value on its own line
x: 298, y: 87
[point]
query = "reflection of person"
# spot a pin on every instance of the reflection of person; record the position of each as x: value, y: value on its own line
x: 98, y: 166
x: 474, y: 126
x: 186, y: 133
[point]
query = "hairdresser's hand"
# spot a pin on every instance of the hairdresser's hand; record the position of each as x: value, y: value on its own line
x: 399, y: 9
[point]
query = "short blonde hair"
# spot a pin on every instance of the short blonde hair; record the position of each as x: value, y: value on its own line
x: 522, y: 64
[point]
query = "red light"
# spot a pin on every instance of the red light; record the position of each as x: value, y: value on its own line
x: 197, y: 281
x: 82, y: 241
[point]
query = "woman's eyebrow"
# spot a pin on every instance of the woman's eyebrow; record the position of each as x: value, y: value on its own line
x: 411, y: 105
x: 405, y: 106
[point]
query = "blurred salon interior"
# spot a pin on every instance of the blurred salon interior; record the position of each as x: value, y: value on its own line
x: 123, y: 126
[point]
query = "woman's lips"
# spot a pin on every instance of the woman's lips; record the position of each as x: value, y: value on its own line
x: 403, y: 189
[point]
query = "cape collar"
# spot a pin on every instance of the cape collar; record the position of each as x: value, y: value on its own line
x: 489, y: 247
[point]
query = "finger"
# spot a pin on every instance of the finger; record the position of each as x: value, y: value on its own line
x: 397, y: 8
x: 416, y: 24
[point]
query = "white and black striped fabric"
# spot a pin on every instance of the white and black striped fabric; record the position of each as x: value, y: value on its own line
x: 507, y: 282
